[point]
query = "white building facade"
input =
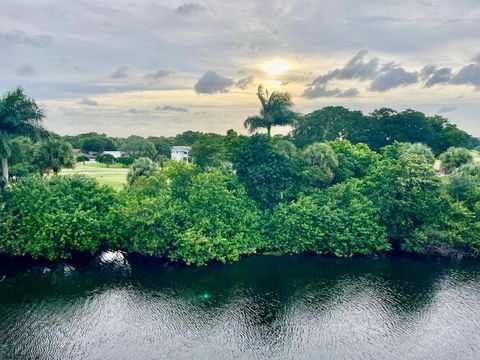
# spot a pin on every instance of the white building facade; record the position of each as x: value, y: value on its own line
x: 181, y: 153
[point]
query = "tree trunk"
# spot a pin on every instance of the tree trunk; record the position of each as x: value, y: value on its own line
x: 5, y: 170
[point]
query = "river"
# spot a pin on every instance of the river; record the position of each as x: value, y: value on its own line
x: 263, y: 307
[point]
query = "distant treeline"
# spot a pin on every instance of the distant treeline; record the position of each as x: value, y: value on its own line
x: 378, y: 129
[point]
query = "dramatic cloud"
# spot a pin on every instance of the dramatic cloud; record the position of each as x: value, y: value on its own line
x: 432, y: 76
x: 25, y: 70
x: 446, y: 109
x: 321, y: 91
x: 159, y: 74
x: 190, y: 8
x: 355, y: 69
x: 18, y: 37
x: 88, y: 101
x: 120, y: 73
x: 468, y: 75
x: 211, y: 82
x: 244, y: 83
x: 171, y: 108
x: 391, y: 78
x: 476, y: 59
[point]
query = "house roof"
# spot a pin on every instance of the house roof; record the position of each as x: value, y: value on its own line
x: 181, y: 148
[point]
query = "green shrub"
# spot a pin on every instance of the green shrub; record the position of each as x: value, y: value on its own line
x: 456, y: 231
x: 220, y: 221
x: 53, y: 217
x: 340, y: 220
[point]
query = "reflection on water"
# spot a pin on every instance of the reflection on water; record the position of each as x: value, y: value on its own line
x: 287, y: 307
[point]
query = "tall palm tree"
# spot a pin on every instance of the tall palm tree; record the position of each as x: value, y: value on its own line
x: 19, y: 115
x: 276, y: 111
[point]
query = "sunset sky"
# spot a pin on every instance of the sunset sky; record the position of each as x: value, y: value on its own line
x: 163, y: 67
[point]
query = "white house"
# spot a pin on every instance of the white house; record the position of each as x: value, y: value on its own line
x: 115, y: 154
x: 180, y: 153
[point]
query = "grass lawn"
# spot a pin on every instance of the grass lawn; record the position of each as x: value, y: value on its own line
x: 115, y: 175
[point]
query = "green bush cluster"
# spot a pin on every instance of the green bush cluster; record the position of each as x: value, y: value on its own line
x: 54, y: 217
x: 270, y: 199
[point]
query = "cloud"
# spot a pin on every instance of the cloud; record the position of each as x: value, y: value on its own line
x: 190, y: 8
x: 212, y: 82
x: 159, y: 74
x: 432, y: 76
x: 321, y: 91
x: 476, y: 59
x: 25, y: 70
x: 355, y: 68
x: 88, y: 101
x: 171, y: 108
x: 243, y: 83
x: 391, y: 78
x: 17, y: 37
x: 446, y: 109
x: 120, y: 73
x: 468, y: 75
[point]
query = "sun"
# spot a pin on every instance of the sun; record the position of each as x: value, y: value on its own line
x: 275, y: 67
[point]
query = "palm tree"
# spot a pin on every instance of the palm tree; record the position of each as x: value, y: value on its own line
x: 19, y: 115
x: 276, y: 111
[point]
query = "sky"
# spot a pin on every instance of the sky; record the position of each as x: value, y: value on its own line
x: 158, y: 68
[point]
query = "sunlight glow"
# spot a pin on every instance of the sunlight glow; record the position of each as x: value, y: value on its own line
x: 275, y: 67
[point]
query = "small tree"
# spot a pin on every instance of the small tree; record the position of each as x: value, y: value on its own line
x: 276, y: 111
x: 107, y: 159
x: 82, y: 159
x: 53, y: 154
x: 320, y: 164
x: 142, y: 167
x: 148, y: 150
x: 453, y: 158
x: 19, y: 115
x: 126, y: 160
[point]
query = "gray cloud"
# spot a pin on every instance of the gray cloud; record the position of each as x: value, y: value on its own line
x: 446, y: 109
x: 392, y: 78
x: 88, y: 101
x: 190, y: 8
x: 355, y: 69
x: 25, y: 70
x: 468, y: 75
x: 476, y: 59
x: 159, y: 74
x: 171, y: 108
x: 321, y: 91
x: 120, y: 73
x: 17, y: 37
x: 432, y: 76
x: 212, y: 82
x: 243, y: 83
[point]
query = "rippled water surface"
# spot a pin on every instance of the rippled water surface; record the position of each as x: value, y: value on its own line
x: 287, y: 307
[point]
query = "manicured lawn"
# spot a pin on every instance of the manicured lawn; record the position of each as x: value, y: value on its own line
x: 115, y: 175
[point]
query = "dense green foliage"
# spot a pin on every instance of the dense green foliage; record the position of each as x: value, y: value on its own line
x: 340, y: 183
x: 53, y: 155
x: 54, y: 217
x: 382, y: 127
x: 142, y: 167
x: 107, y: 159
x: 340, y: 221
x: 453, y: 158
x: 268, y: 176
x: 19, y: 116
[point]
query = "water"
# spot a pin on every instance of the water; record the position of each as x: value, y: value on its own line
x: 287, y: 307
